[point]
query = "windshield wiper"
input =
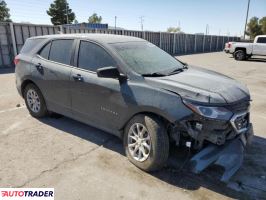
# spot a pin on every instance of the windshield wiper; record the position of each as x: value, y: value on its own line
x: 155, y: 74
x: 178, y: 70
x: 185, y: 66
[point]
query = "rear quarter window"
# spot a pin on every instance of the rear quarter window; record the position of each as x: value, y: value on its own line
x: 45, y: 51
x: 30, y: 44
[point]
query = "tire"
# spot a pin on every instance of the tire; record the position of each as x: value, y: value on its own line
x: 240, y: 55
x: 34, y: 101
x: 158, y: 143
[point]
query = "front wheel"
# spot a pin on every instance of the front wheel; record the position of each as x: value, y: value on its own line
x: 146, y: 142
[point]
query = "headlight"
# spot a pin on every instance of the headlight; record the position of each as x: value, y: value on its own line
x: 210, y: 112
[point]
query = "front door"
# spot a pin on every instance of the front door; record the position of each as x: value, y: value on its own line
x: 94, y: 99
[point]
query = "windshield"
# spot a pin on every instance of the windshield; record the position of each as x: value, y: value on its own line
x: 146, y: 58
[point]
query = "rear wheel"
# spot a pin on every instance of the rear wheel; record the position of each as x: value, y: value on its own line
x: 146, y: 142
x: 240, y: 55
x: 35, y: 101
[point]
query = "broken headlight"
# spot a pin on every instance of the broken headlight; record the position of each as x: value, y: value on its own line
x: 209, y: 111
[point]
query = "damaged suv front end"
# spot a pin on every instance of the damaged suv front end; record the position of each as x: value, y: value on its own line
x: 220, y: 133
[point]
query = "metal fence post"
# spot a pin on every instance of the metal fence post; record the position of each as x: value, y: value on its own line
x: 174, y: 43
x: 61, y: 29
x: 203, y: 48
x: 185, y: 43
x: 195, y: 44
x: 217, y: 43
x: 160, y: 40
x: 211, y: 44
x: 13, y: 38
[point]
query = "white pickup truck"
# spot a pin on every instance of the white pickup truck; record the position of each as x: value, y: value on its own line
x: 242, y: 51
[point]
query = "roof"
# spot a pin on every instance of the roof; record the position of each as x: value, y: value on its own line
x: 102, y: 38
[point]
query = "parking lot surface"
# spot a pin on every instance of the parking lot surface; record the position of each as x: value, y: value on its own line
x: 82, y: 162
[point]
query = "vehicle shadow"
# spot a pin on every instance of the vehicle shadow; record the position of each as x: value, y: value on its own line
x: 253, y: 59
x: 248, y: 183
x: 257, y: 60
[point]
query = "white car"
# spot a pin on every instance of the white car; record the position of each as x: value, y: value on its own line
x: 242, y: 51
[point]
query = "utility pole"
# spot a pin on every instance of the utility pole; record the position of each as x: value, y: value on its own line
x: 246, y: 19
x: 141, y: 22
x: 115, y: 22
x: 66, y: 13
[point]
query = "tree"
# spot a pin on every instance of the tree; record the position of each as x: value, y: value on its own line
x: 60, y: 13
x: 95, y: 19
x: 253, y: 28
x: 4, y: 12
x: 262, y: 23
x: 173, y: 29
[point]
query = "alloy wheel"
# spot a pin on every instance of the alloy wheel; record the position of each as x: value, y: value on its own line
x: 33, y: 101
x: 139, y: 142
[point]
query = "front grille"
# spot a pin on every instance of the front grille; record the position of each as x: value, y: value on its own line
x: 240, y: 122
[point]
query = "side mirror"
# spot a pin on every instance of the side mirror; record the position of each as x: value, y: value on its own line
x: 108, y: 72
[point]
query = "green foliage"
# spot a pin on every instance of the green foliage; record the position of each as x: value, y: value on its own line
x: 173, y: 29
x: 4, y: 12
x: 59, y: 11
x: 95, y: 19
x: 256, y: 27
x: 262, y: 23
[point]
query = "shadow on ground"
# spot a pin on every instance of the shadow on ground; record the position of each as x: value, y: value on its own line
x: 253, y: 59
x: 257, y: 60
x: 248, y: 183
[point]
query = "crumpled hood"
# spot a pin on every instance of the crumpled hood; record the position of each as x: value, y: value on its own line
x: 202, y: 85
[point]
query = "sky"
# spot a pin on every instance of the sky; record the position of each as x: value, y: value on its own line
x: 226, y: 17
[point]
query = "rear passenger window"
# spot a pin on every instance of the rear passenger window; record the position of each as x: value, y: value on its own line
x: 61, y: 51
x: 45, y: 51
x: 261, y: 40
x: 91, y: 57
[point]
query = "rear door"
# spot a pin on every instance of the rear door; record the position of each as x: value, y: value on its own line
x: 52, y: 68
x: 94, y: 99
x: 259, y: 48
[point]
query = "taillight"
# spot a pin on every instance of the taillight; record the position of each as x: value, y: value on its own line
x: 229, y: 45
x: 16, y: 60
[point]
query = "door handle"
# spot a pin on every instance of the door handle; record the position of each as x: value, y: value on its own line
x: 78, y: 77
x: 39, y: 68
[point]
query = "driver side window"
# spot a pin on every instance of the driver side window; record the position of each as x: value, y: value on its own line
x: 92, y: 57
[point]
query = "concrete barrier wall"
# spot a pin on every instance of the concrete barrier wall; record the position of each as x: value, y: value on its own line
x: 14, y: 35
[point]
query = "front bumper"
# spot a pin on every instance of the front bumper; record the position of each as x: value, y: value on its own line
x: 229, y: 156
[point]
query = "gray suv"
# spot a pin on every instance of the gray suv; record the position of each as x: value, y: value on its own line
x: 136, y: 91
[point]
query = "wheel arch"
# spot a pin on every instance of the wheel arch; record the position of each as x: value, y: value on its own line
x: 241, y: 48
x: 165, y: 119
x: 25, y: 83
